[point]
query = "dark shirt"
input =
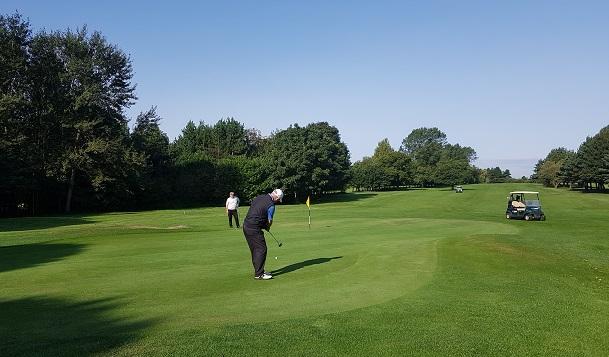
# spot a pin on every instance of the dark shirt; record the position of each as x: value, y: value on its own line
x: 260, y: 212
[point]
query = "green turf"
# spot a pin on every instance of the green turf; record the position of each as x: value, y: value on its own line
x: 421, y: 272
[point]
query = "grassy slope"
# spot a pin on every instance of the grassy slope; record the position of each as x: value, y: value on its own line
x: 424, y: 272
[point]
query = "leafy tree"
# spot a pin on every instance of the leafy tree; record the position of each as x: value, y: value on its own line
x: 62, y: 105
x: 96, y: 79
x: 287, y: 153
x: 370, y: 175
x: 387, y: 168
x: 482, y: 175
x: 357, y: 175
x: 454, y: 167
x: 534, y: 176
x: 395, y: 164
x: 255, y: 142
x: 549, y: 173
x: 603, y: 143
x: 424, y: 175
x: 495, y: 175
x: 453, y: 172
x: 383, y: 151
x: 229, y: 138
x: 17, y: 156
x: 587, y: 166
x: 148, y: 139
x: 249, y: 177
x: 425, y: 160
x: 490, y: 175
x: 558, y: 154
x: 194, y: 179
x: 586, y: 163
x: 421, y: 137
x: 458, y: 152
x: 309, y: 160
x: 431, y: 155
x: 221, y: 158
x: 591, y: 159
x: 226, y: 138
x: 194, y: 140
x: 568, y: 171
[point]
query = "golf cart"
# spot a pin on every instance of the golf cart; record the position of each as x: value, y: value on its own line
x: 524, y: 205
x: 458, y: 189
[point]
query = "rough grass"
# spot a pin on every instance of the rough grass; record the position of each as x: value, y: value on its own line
x: 422, y: 272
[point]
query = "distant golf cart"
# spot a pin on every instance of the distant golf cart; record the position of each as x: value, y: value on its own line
x: 458, y: 189
x: 524, y: 205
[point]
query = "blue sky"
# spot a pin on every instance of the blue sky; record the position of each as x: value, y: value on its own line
x: 512, y: 79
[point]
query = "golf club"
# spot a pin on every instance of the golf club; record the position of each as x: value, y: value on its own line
x: 278, y: 242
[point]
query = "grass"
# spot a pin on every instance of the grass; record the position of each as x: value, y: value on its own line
x: 423, y: 272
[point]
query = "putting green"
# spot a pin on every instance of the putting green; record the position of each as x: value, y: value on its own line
x: 354, y: 262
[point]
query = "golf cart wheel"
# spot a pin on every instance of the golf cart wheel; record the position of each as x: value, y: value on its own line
x: 527, y: 217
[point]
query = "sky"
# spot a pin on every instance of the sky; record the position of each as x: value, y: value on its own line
x: 511, y: 79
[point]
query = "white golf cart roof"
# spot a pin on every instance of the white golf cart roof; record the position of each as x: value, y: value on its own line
x: 529, y: 192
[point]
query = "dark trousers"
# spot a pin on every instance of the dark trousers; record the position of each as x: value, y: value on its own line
x: 233, y: 213
x: 255, y: 240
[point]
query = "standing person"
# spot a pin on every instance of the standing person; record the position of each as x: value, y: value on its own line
x: 232, y: 204
x: 259, y: 217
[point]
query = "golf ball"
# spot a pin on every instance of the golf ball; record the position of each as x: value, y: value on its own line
x: 275, y: 257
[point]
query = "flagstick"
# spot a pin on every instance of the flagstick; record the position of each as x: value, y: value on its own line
x: 309, y: 207
x: 309, y: 217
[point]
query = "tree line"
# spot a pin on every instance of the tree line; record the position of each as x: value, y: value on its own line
x: 586, y: 168
x: 424, y: 159
x: 62, y: 123
x: 66, y: 143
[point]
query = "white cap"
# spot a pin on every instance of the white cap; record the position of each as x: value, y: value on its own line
x: 279, y: 194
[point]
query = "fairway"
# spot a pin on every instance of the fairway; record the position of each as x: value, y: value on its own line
x: 418, y: 272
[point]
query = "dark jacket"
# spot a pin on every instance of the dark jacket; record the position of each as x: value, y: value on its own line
x: 257, y: 216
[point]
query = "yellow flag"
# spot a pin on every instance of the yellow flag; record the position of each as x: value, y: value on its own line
x: 309, y: 201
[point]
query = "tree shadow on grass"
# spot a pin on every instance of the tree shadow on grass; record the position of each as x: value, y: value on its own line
x: 446, y: 189
x: 343, y: 197
x: 32, y: 223
x: 601, y: 192
x: 464, y: 188
x: 37, y: 326
x: 30, y: 255
x: 306, y: 263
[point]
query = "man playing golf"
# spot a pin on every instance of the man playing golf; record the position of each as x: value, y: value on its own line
x: 259, y: 217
